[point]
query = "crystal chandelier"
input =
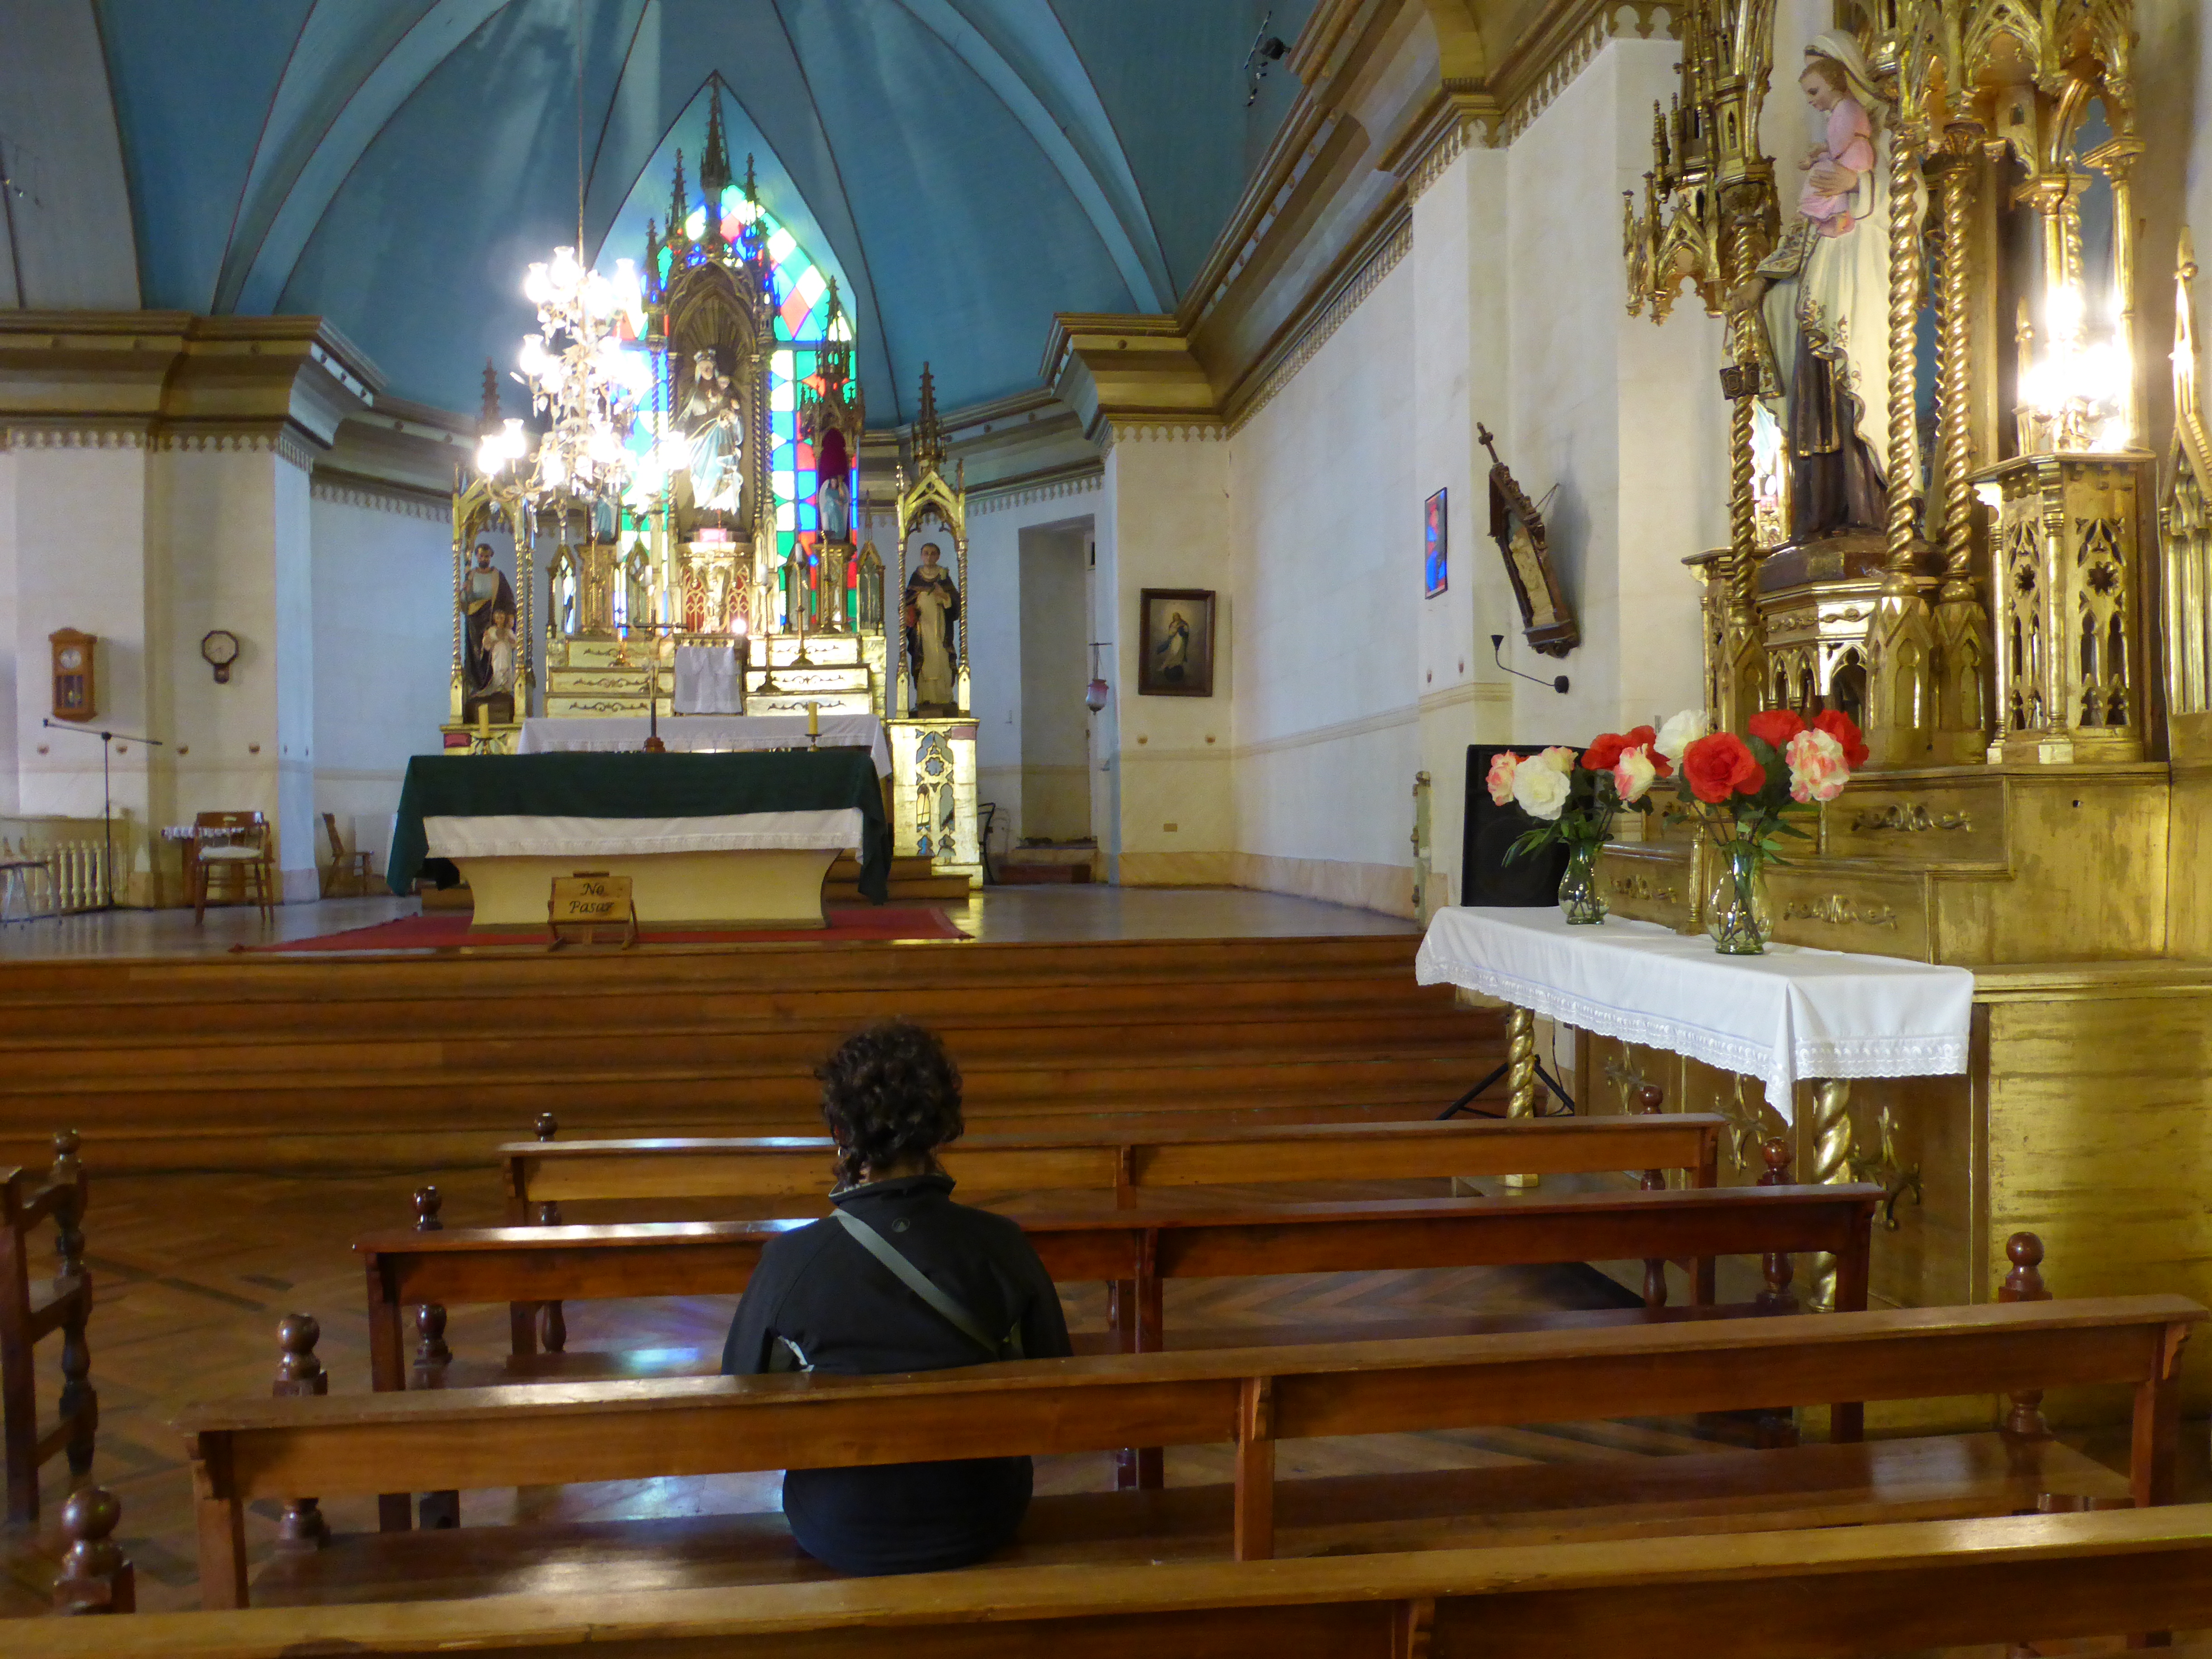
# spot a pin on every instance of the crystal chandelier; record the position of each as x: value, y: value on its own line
x: 579, y: 375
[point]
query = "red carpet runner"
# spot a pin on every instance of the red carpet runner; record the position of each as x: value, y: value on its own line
x: 449, y: 929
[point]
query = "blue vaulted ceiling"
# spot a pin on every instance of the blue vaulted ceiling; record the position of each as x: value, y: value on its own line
x: 966, y: 167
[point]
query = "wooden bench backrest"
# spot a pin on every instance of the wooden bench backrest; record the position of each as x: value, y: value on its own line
x: 243, y: 1452
x: 551, y: 1171
x: 705, y: 1257
x: 1846, y: 1591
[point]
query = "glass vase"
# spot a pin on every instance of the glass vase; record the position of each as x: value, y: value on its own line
x: 1735, y: 911
x: 1579, y: 902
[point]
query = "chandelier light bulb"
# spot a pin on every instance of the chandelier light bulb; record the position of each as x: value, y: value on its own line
x: 537, y: 288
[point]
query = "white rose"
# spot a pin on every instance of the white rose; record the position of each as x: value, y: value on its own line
x: 1633, y: 774
x: 1541, y: 791
x: 1679, y: 732
x: 1561, y: 761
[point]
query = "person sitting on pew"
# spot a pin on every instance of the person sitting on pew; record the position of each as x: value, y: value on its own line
x: 899, y: 1279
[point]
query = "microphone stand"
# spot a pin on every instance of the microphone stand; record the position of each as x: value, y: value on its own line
x: 106, y: 797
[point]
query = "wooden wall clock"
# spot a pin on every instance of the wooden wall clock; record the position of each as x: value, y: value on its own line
x: 1518, y: 529
x: 76, y: 691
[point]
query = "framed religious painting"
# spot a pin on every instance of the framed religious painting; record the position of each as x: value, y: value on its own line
x: 1518, y: 529
x: 1435, y: 570
x: 1175, y: 642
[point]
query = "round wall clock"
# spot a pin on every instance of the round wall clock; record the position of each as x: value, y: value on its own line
x: 220, y: 647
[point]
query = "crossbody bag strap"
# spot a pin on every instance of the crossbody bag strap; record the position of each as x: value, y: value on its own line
x: 915, y: 1280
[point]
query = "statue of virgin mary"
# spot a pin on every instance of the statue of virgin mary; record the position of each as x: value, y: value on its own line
x: 1821, y: 300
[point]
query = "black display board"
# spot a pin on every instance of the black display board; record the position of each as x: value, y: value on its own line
x: 1488, y: 829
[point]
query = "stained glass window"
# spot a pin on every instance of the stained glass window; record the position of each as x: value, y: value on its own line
x: 801, y: 293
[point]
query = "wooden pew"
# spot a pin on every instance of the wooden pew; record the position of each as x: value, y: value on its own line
x: 61, y: 1303
x: 247, y: 1451
x: 1839, y: 1592
x: 1127, y: 1162
x: 1145, y: 1247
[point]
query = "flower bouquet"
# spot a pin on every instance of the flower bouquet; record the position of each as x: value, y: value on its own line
x: 1742, y: 793
x: 1575, y: 798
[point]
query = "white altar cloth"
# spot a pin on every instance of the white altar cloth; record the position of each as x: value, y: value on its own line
x: 1794, y: 1012
x: 703, y: 734
x: 504, y: 835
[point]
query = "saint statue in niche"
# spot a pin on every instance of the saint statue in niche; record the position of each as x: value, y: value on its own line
x: 930, y: 607
x: 1821, y: 302
x: 833, y: 492
x: 499, y: 644
x: 713, y: 437
x: 484, y: 597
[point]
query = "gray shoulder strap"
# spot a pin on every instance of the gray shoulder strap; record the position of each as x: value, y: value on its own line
x: 917, y: 1281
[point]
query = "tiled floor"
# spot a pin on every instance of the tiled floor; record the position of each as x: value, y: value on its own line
x: 1000, y: 913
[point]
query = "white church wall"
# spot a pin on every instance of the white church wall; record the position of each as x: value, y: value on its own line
x: 80, y: 552
x: 1167, y: 497
x: 383, y: 628
x: 1459, y: 376
x: 11, y: 786
x: 1618, y: 427
x: 227, y: 548
x: 1326, y: 633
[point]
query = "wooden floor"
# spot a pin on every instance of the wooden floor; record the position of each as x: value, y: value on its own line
x: 193, y: 1272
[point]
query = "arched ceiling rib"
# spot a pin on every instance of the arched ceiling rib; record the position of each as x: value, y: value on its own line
x: 966, y: 164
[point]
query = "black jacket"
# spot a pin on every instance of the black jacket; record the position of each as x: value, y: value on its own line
x: 818, y: 1291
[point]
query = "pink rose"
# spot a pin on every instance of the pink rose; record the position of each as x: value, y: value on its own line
x: 1632, y: 773
x: 1503, y: 765
x: 1818, y: 770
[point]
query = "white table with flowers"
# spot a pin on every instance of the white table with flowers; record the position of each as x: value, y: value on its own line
x: 1776, y: 1012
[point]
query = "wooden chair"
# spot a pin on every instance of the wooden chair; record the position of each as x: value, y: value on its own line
x: 357, y: 866
x: 28, y: 1198
x: 232, y: 840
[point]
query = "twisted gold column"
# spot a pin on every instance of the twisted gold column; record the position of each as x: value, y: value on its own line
x: 1963, y: 644
x: 1520, y: 1075
x: 1742, y: 671
x: 1832, y: 1164
x: 1900, y: 639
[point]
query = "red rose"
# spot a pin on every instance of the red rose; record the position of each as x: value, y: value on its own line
x: 1604, y: 751
x: 1776, y: 725
x: 1719, y: 766
x: 1840, y: 726
x: 1645, y: 737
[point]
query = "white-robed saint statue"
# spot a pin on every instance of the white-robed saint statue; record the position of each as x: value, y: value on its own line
x: 931, y: 607
x: 1822, y: 301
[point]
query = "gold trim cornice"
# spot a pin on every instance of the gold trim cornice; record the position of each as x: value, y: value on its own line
x: 1355, y: 273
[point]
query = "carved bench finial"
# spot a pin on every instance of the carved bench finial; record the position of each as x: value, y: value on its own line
x: 96, y: 1576
x: 301, y: 1528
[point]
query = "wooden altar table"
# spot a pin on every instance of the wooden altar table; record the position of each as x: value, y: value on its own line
x: 1795, y: 1013
x: 739, y: 839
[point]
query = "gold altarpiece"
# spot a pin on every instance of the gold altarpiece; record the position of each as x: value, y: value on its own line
x: 691, y: 556
x: 2031, y: 668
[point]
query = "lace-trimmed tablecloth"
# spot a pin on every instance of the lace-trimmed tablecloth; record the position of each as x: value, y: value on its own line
x: 1794, y: 1012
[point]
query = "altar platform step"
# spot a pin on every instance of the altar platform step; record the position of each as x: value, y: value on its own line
x: 913, y: 881
x: 412, y: 1063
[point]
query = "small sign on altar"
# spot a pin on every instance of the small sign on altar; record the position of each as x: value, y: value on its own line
x: 591, y: 907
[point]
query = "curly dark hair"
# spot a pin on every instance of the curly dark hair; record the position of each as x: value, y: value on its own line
x: 890, y: 1093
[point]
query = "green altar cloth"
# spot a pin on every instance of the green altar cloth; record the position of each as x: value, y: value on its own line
x: 641, y: 785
